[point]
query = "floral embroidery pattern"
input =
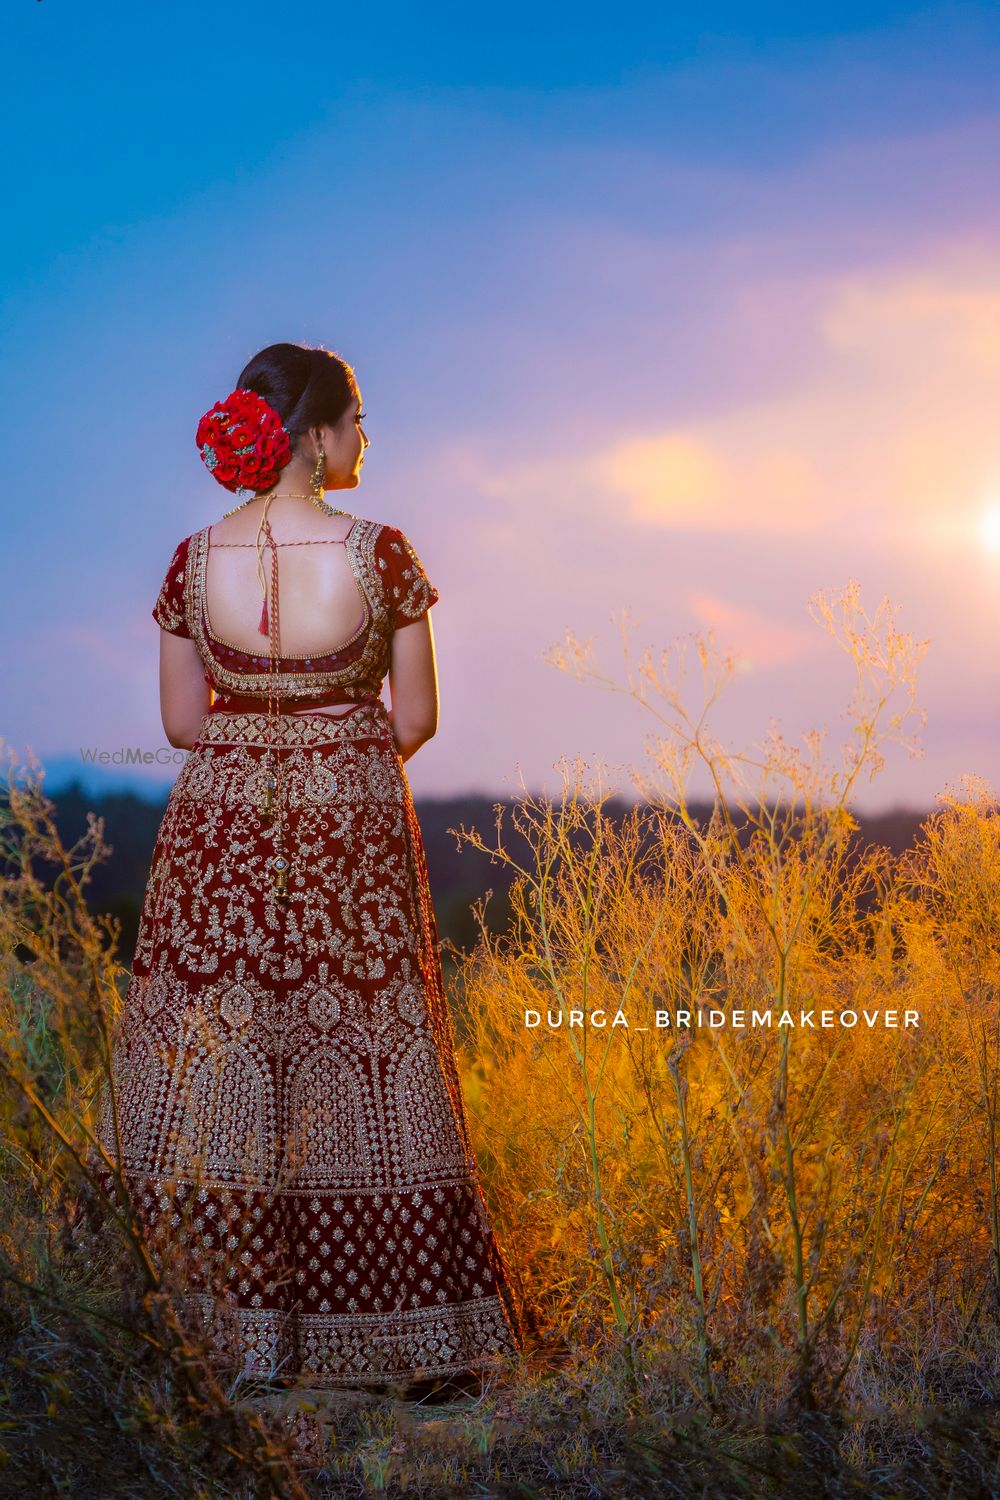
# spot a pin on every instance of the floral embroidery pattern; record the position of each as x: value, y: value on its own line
x: 168, y: 611
x: 289, y: 1108
x: 410, y: 590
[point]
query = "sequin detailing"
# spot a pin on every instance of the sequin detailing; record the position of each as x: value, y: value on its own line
x: 168, y: 611
x: 290, y: 1112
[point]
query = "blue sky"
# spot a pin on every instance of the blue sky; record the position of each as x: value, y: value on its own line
x: 691, y: 313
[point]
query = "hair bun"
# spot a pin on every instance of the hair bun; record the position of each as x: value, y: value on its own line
x: 243, y: 443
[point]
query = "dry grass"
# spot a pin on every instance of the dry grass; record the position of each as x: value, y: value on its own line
x: 757, y: 1258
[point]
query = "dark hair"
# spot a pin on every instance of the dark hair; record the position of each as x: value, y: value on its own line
x: 307, y: 387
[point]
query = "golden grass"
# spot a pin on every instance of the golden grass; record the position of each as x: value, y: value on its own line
x: 768, y: 1254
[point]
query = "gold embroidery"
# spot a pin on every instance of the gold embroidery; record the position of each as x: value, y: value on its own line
x: 301, y: 728
x: 290, y: 1112
x: 417, y: 593
x: 165, y: 612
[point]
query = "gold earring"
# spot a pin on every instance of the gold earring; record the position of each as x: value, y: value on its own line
x: 319, y: 474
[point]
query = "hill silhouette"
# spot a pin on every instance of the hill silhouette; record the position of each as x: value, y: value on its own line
x: 459, y: 876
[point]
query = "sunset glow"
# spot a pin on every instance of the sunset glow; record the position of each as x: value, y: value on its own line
x: 989, y: 527
x: 698, y: 334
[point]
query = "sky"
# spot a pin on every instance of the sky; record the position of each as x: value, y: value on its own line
x: 690, y: 316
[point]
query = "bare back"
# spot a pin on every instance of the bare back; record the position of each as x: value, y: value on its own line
x: 322, y: 606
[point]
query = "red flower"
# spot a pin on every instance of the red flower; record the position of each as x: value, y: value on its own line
x: 244, y: 421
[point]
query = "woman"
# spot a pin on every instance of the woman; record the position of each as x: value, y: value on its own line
x: 288, y: 1105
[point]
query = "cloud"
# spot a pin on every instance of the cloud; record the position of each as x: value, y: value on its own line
x: 893, y: 428
x: 894, y: 320
x: 757, y: 639
x: 704, y: 481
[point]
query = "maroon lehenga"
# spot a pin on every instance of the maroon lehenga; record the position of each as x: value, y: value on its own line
x: 288, y: 1104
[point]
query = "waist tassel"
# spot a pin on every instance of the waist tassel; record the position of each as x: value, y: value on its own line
x: 279, y: 865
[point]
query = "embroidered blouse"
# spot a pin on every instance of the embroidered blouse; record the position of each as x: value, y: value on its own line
x: 393, y: 584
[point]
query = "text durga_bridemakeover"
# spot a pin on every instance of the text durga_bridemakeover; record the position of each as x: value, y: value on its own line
x: 658, y: 1020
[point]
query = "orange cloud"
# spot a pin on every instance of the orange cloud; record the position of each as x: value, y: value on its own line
x: 892, y: 434
x: 700, y: 480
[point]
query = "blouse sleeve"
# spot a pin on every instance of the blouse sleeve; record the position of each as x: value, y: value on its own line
x: 409, y: 592
x: 168, y: 611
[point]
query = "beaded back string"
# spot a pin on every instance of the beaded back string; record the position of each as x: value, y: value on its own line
x: 273, y: 807
x: 274, y: 789
x: 318, y: 541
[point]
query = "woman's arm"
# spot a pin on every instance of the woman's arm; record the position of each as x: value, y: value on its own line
x: 185, y: 696
x: 413, y: 686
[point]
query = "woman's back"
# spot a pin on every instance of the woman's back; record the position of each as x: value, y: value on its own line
x: 346, y: 585
x: 322, y: 606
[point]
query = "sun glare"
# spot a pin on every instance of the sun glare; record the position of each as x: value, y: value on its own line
x: 989, y: 527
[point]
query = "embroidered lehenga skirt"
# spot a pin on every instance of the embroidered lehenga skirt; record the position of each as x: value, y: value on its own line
x: 288, y: 1103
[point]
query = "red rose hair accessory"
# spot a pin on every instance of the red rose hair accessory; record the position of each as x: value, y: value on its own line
x: 243, y: 443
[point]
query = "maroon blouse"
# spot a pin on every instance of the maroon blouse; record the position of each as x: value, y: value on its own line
x: 393, y: 584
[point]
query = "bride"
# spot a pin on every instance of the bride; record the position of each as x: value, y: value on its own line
x: 286, y: 1111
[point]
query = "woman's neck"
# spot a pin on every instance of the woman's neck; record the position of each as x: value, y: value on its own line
x: 288, y: 515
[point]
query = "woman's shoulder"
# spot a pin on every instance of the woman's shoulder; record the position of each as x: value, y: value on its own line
x: 184, y: 546
x: 181, y: 549
x: 408, y: 589
x: 381, y: 531
x: 169, y: 610
x: 391, y: 537
x: 390, y: 545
